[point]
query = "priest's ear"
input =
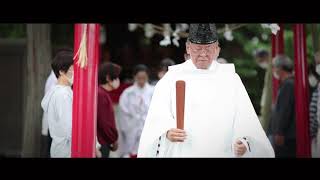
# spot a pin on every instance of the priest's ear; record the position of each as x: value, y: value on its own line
x: 218, y: 51
x: 188, y: 47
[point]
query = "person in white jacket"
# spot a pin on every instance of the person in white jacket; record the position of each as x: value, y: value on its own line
x: 57, y: 105
x: 50, y: 83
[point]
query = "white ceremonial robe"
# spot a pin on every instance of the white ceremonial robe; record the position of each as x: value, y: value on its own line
x: 133, y: 104
x: 218, y: 111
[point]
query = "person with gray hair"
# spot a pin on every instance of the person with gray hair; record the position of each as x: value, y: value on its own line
x: 283, y: 64
x: 208, y: 129
x: 283, y: 126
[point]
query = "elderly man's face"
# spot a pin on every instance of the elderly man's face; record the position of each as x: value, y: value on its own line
x: 203, y: 55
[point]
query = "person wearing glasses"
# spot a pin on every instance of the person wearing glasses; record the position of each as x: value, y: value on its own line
x: 219, y: 118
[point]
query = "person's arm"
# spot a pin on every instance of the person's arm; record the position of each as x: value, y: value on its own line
x: 106, y: 120
x: 160, y: 119
x: 64, y: 111
x: 249, y: 137
x: 124, y: 112
x: 124, y: 102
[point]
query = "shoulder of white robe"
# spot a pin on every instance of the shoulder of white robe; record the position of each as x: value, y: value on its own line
x: 226, y: 68
x: 174, y: 67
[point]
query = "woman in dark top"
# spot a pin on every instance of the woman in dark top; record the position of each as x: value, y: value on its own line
x: 106, y: 128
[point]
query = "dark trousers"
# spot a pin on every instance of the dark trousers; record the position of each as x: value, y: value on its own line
x: 288, y: 150
x: 105, y: 150
x: 46, y: 145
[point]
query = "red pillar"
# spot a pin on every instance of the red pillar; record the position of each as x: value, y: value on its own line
x: 85, y: 94
x: 277, y: 48
x: 301, y: 92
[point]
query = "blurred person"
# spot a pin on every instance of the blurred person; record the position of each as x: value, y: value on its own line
x: 163, y: 69
x: 46, y: 138
x: 134, y: 103
x: 263, y: 59
x: 107, y: 132
x: 57, y: 105
x: 313, y: 77
x: 164, y: 64
x: 115, y: 96
x: 283, y: 125
x: 314, y: 108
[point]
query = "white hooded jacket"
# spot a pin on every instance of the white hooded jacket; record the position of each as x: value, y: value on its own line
x: 51, y: 82
x: 57, y: 105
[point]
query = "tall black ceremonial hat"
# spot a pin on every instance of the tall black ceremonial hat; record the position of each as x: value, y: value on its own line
x: 203, y: 33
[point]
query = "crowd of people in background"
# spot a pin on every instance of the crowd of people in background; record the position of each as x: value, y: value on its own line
x: 278, y: 118
x: 121, y: 109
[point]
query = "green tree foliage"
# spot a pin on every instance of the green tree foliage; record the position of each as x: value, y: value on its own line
x: 241, y: 50
x: 12, y: 31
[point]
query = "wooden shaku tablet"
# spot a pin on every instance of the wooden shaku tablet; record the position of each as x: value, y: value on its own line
x: 180, y: 101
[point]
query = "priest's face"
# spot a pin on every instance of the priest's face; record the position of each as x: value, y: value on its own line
x: 202, y: 55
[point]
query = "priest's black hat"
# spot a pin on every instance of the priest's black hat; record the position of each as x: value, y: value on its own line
x: 203, y: 33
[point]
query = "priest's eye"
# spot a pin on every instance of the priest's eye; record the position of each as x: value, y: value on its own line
x: 195, y: 50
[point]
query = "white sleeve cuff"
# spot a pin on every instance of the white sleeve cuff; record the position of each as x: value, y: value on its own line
x: 162, y: 145
x: 246, y: 142
x: 98, y: 145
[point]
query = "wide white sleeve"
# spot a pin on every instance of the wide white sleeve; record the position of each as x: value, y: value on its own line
x: 64, y: 112
x: 124, y: 111
x: 247, y: 127
x: 45, y: 126
x: 159, y: 120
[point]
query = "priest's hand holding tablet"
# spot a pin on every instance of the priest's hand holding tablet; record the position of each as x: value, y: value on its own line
x: 176, y: 135
x: 239, y: 148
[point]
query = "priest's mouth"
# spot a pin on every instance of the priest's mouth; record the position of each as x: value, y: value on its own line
x: 203, y: 61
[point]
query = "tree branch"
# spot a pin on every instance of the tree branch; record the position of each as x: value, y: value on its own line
x: 160, y: 30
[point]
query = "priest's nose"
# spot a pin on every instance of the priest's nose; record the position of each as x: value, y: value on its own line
x: 203, y: 53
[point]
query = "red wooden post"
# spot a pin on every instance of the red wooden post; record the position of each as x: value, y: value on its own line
x: 277, y: 48
x: 301, y: 92
x: 85, y: 93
